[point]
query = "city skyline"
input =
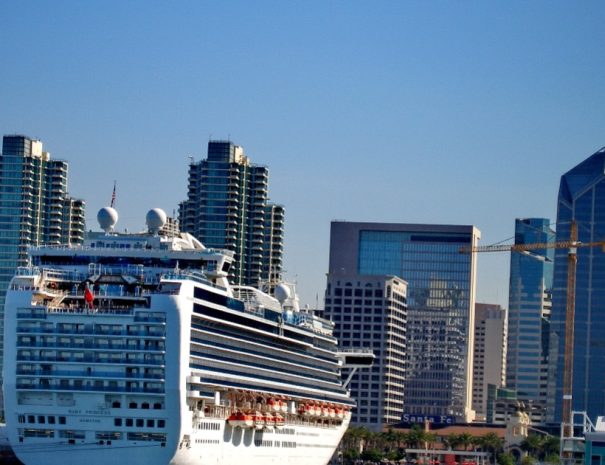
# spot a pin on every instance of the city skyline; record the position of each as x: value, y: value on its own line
x: 452, y: 113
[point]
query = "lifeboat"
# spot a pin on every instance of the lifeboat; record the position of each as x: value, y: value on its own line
x: 325, y: 411
x: 258, y: 420
x: 340, y: 413
x: 279, y: 420
x: 317, y: 410
x: 331, y: 412
x: 284, y: 406
x: 269, y: 421
x: 240, y: 420
x: 347, y: 414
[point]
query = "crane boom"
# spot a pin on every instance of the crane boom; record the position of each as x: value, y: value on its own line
x: 572, y: 258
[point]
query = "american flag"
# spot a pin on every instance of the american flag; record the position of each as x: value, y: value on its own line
x: 113, y: 195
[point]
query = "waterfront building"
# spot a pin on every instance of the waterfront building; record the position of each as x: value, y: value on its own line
x: 529, y: 310
x: 489, y: 360
x: 35, y: 207
x: 228, y: 207
x: 440, y: 304
x: 581, y: 199
x: 370, y: 312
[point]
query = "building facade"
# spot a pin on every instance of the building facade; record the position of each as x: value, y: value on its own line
x: 489, y: 360
x: 370, y: 312
x: 228, y: 207
x: 440, y: 300
x: 35, y: 207
x: 581, y: 199
x: 529, y: 311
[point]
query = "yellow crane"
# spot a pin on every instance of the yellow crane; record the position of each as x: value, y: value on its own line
x: 570, y: 310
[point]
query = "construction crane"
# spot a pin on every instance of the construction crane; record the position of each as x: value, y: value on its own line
x: 572, y: 258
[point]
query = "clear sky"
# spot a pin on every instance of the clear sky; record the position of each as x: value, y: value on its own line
x: 458, y: 112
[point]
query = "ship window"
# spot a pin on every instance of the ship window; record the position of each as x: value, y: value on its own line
x: 157, y: 406
x: 161, y: 423
x: 145, y: 405
x: 140, y: 422
x: 61, y: 420
x: 21, y: 418
x: 128, y: 421
x: 116, y: 404
x: 117, y: 422
x: 150, y: 423
x: 41, y: 419
x: 132, y: 405
x: 51, y: 420
x: 31, y: 419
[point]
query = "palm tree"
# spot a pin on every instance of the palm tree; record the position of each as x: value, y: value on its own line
x: 532, y: 444
x: 465, y: 440
x: 493, y: 444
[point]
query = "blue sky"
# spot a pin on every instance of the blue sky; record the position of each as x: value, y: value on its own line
x: 459, y: 112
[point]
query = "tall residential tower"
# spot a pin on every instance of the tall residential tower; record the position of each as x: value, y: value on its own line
x: 228, y: 207
x: 35, y: 207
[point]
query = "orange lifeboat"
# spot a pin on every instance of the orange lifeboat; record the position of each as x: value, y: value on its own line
x: 240, y: 420
x: 284, y: 406
x: 259, y: 420
x: 269, y: 421
x: 340, y: 412
x: 331, y: 412
x: 325, y: 411
x: 279, y: 420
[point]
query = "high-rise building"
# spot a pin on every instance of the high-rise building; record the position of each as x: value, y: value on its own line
x: 529, y: 308
x: 35, y: 207
x: 581, y: 199
x: 489, y: 360
x: 370, y: 312
x: 440, y: 303
x: 228, y: 207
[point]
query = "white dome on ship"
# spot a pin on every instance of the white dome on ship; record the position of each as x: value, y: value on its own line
x: 156, y: 219
x: 107, y: 218
x: 282, y: 292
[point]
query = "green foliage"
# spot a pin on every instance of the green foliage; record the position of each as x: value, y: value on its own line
x: 506, y: 458
x: 372, y: 455
x: 528, y: 460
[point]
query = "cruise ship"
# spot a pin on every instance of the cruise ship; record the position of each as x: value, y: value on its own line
x: 135, y: 349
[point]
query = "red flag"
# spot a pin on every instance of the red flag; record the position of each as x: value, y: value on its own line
x: 88, y: 296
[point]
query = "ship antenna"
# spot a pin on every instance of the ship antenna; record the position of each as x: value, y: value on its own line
x: 113, y: 195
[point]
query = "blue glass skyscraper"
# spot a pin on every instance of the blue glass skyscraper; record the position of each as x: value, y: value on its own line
x: 529, y: 310
x: 440, y: 304
x: 581, y: 198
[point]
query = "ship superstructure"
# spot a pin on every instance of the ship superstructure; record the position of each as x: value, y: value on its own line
x: 134, y: 349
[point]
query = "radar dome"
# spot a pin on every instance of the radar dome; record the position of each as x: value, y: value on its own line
x: 156, y: 218
x: 107, y: 218
x: 282, y: 292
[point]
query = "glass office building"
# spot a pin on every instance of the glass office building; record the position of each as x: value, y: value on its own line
x: 228, y: 207
x: 440, y: 304
x: 529, y: 311
x: 581, y: 198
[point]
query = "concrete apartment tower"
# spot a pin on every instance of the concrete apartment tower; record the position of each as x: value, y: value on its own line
x: 581, y: 199
x: 439, y: 329
x: 35, y: 207
x: 529, y: 310
x: 489, y: 361
x: 228, y: 207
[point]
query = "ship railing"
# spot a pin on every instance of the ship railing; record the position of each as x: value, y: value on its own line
x: 93, y: 375
x: 89, y: 359
x: 191, y: 276
x: 84, y: 387
x: 222, y: 412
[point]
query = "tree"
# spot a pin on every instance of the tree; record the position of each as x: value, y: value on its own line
x: 528, y: 460
x: 371, y: 455
x: 506, y: 458
x: 532, y: 444
x: 465, y: 440
x: 493, y: 444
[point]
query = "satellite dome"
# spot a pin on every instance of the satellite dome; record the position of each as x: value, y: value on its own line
x: 107, y: 218
x: 156, y: 218
x: 282, y: 292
